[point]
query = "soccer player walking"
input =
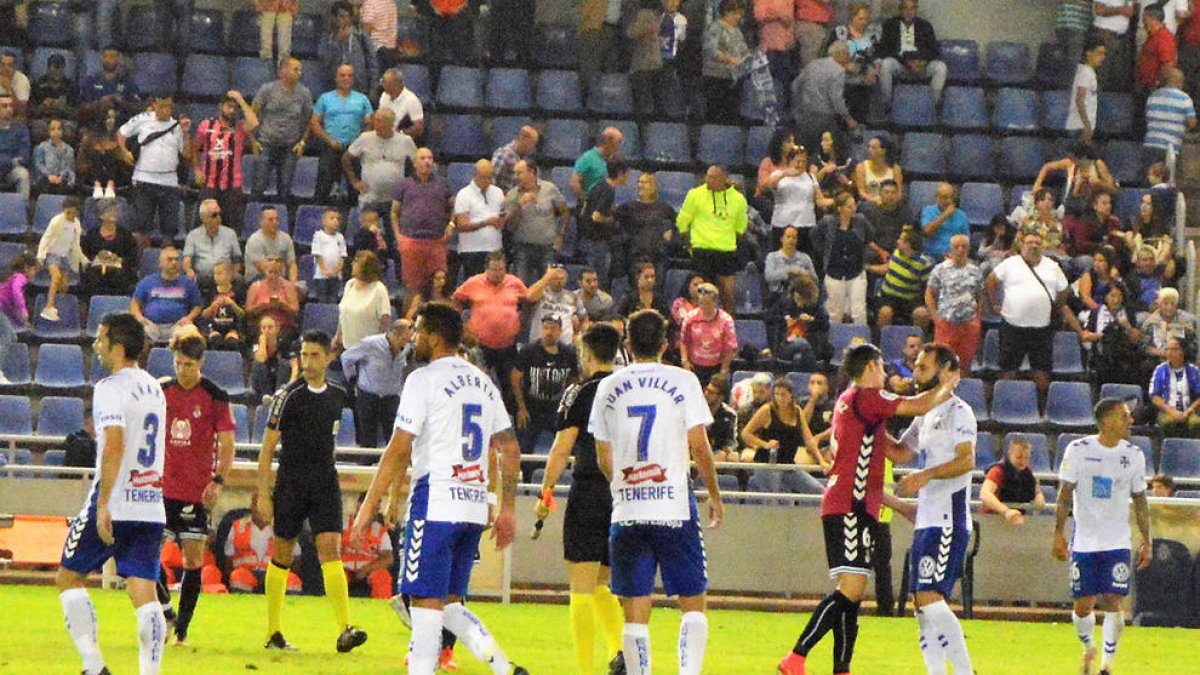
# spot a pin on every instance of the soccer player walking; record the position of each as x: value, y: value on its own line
x: 946, y: 437
x: 123, y: 516
x: 450, y: 411
x: 850, y: 507
x: 647, y: 419
x: 304, y: 418
x: 1098, y: 476
x: 199, y: 453
x: 589, y: 506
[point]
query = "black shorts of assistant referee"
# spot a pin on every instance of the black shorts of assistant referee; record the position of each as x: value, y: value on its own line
x: 848, y: 543
x: 586, y: 524
x: 185, y: 520
x: 316, y: 498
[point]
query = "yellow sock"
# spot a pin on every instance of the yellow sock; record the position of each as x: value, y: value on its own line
x: 583, y: 631
x: 338, y: 591
x: 611, y: 617
x: 276, y: 590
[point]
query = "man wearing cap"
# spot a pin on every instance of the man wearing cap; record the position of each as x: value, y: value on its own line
x: 544, y: 369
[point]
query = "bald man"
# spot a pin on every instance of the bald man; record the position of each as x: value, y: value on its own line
x: 385, y: 156
x: 591, y: 168
x: 504, y: 160
x: 339, y: 116
x: 941, y: 221
x: 420, y: 213
x: 478, y: 221
x: 1170, y: 112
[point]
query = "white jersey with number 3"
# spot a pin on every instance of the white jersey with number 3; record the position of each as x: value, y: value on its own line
x: 1104, y: 478
x: 133, y: 400
x: 937, y: 435
x: 644, y: 412
x: 453, y: 410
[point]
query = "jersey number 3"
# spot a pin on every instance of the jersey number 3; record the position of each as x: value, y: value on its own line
x: 472, y: 446
x: 146, y: 452
x: 647, y: 413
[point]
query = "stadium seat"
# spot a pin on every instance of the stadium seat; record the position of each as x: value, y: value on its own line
x: 561, y: 177
x: 205, y: 76
x: 924, y: 154
x: 748, y: 294
x: 985, y: 451
x: 912, y: 106
x: 1068, y: 354
x: 1180, y: 457
x: 673, y: 281
x: 981, y: 201
x: 751, y: 333
x: 667, y: 143
x: 1124, y: 160
x: 305, y: 268
x: 17, y: 367
x: 227, y: 371
x: 208, y: 31
x: 1015, y: 403
x: 972, y: 157
x: 505, y: 129
x: 1055, y: 106
x: 142, y: 29
x: 722, y: 145
x: 460, y: 87
x: 565, y: 140
x: 260, y: 422
x: 345, y: 434
x: 970, y: 390
x: 631, y: 143
x: 1115, y: 113
x: 306, y: 35
x: 16, y: 415
x: 1069, y: 405
x: 1132, y: 393
x: 892, y: 338
x: 241, y: 422
x: 1021, y: 157
x: 308, y: 222
x: 508, y: 89
x: 558, y: 91
x: 1054, y: 67
x: 728, y: 483
x: 250, y: 73
x: 155, y: 73
x: 59, y: 366
x: 50, y: 24
x: 1008, y: 62
x: 59, y: 415
x: 46, y: 207
x: 1162, y: 598
x: 254, y: 214
x: 799, y: 382
x: 461, y: 136
x: 99, y: 305
x: 417, y: 78
x: 13, y: 221
x: 1060, y: 446
x: 66, y: 328
x: 458, y: 174
x: 245, y: 34
x: 964, y: 108
x: 610, y: 94
x: 160, y: 362
x: 921, y: 193
x: 555, y: 46
x: 1016, y: 110
x: 840, y: 335
x: 757, y: 140
x: 41, y: 56
x: 312, y: 77
x: 149, y: 262
x: 54, y: 457
x: 304, y: 180
x: 317, y: 316
x: 1128, y: 203
x: 1039, y: 458
x: 673, y: 186
x: 962, y: 60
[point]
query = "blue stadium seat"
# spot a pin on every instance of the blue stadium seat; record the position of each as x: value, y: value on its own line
x: 1022, y: 157
x: 59, y: 366
x: 972, y: 157
x: 1069, y: 405
x: 1016, y: 110
x: 306, y: 35
x: 799, y: 382
x: 1039, y: 459
x: 308, y: 222
x: 1124, y: 160
x: 757, y: 140
x: 964, y: 108
x: 66, y: 328
x: 317, y: 316
x: 46, y: 207
x: 508, y: 89
x: 250, y: 73
x: 1055, y: 106
x: 631, y: 143
x: 962, y: 60
x: 565, y: 140
x: 1060, y: 446
x: 304, y: 180
x: 149, y: 262
x: 555, y: 46
x: 160, y: 362
x: 241, y: 422
x: 561, y: 177
x: 208, y: 31
x: 13, y: 218
x: 50, y: 24
x: 227, y: 370
x: 1068, y: 354
x: 54, y: 457
x: 206, y: 76
x: 559, y: 91
x: 260, y: 422
x: 91, y: 211
x: 840, y: 335
x: 748, y: 294
x: 673, y: 186
x: 313, y: 78
x: 59, y: 415
x: 16, y: 415
x: 610, y: 94
x: 912, y: 106
x: 505, y: 129
x: 460, y: 87
x: 1015, y: 403
x: 1161, y: 598
x: 985, y: 451
x: 154, y: 73
x: 345, y: 434
x: 462, y: 136
x: 892, y: 340
x: 99, y: 305
x: 921, y: 193
x: 1054, y: 67
x: 667, y: 143
x: 1115, y: 113
x: 254, y: 212
x: 752, y: 333
x: 981, y: 201
x: 1008, y: 62
x: 728, y: 483
x: 1180, y: 457
x: 458, y: 174
x: 245, y: 33
x: 1128, y: 203
x: 142, y: 29
x: 672, y: 284
x: 417, y: 78
x: 970, y: 390
x: 16, y: 367
x: 41, y: 56
x: 924, y: 154
x: 1126, y: 392
x: 1147, y: 447
x: 722, y: 145
x: 305, y: 268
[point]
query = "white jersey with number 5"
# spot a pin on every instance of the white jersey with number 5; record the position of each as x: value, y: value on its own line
x: 453, y: 410
x: 133, y: 400
x: 644, y: 412
x: 937, y: 435
x: 1105, y: 478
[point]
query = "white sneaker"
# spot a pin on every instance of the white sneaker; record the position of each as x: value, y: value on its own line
x: 97, y: 192
x: 50, y: 314
x: 110, y: 193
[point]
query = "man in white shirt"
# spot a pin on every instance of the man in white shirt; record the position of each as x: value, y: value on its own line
x: 478, y: 221
x: 384, y: 154
x: 410, y: 115
x: 1110, y: 23
x: 161, y: 139
x: 1098, y: 476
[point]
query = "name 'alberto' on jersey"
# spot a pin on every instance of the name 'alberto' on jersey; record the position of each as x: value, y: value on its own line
x: 1105, y: 479
x: 935, y: 435
x: 133, y: 400
x: 644, y: 412
x: 452, y: 409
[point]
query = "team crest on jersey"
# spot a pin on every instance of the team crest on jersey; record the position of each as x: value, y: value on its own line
x: 141, y: 479
x: 642, y: 474
x: 1124, y: 462
x: 181, y: 431
x: 1120, y: 573
x: 925, y: 568
x: 196, y: 412
x: 468, y: 473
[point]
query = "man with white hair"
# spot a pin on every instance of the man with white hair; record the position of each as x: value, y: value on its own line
x: 410, y: 115
x: 209, y: 244
x: 819, y: 93
x: 504, y: 160
x: 383, y: 155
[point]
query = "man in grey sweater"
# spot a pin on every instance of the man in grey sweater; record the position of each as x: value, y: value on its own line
x: 819, y: 93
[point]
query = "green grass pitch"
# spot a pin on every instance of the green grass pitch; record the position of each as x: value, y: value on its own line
x: 227, y: 637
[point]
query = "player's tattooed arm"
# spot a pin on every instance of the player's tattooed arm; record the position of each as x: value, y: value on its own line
x: 1141, y: 510
x: 510, y: 468
x: 1066, y: 491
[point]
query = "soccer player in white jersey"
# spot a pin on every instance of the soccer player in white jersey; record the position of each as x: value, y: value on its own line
x: 124, y: 516
x: 945, y: 439
x: 647, y: 419
x: 1099, y: 475
x: 449, y: 413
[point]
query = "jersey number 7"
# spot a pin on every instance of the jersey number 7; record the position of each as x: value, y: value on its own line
x: 472, y: 446
x: 647, y: 413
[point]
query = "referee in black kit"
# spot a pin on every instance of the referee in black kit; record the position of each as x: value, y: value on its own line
x: 305, y: 416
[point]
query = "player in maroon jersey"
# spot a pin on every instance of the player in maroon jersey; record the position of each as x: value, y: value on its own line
x: 850, y: 507
x: 199, y: 453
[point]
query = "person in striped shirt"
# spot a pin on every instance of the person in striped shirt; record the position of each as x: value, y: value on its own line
x: 1170, y: 112
x: 904, y: 278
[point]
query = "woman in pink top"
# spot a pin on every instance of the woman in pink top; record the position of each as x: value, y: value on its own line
x: 13, y: 312
x: 708, y: 342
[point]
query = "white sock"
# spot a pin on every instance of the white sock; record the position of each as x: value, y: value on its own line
x: 693, y: 638
x: 1085, y: 626
x: 426, y: 642
x: 152, y: 635
x: 81, y: 624
x: 468, y: 628
x: 1114, y: 623
x: 950, y: 631
x: 933, y: 648
x: 636, y: 638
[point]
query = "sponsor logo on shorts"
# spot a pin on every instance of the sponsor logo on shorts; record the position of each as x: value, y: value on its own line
x: 642, y: 474
x: 1120, y: 573
x: 925, y: 568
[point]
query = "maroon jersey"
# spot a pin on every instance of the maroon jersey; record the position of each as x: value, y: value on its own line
x: 195, y: 416
x: 222, y: 148
x: 859, y: 437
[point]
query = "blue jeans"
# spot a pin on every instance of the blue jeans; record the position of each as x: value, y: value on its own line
x: 280, y: 160
x: 530, y: 261
x: 597, y: 255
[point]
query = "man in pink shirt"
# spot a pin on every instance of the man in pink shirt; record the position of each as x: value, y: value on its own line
x: 812, y: 28
x: 707, y: 341
x: 494, y: 298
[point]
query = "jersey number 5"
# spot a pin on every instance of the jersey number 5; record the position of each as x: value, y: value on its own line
x: 146, y: 453
x: 647, y: 413
x: 472, y: 447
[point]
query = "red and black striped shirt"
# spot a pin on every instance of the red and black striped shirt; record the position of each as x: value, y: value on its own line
x: 222, y: 148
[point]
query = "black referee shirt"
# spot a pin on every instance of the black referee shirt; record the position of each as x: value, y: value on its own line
x: 574, y: 411
x: 307, y: 422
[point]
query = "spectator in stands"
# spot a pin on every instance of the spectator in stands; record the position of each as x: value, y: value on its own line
x: 776, y: 24
x: 711, y: 219
x: 275, y: 19
x: 550, y: 297
x: 54, y: 162
x: 13, y: 82
x: 537, y: 214
x: 1151, y: 226
x: 365, y: 308
x: 591, y: 168
x: 506, y: 157
x: 1146, y: 279
x: 14, y: 149
x: 900, y: 371
x: 59, y: 252
x: 1110, y: 23
x: 437, y: 290
x: 644, y: 294
x: 812, y: 28
x: 1081, y: 112
x: 999, y: 242
x: 478, y: 220
x: 452, y: 31
x: 835, y: 166
x: 209, y: 244
x: 224, y: 312
x: 645, y: 227
x: 819, y: 98
x: 725, y: 51
x: 1011, y: 481
x: 284, y: 108
x: 818, y: 412
x: 595, y: 225
x: 1095, y: 283
x: 80, y: 445
x: 383, y: 155
x: 599, y: 23
x: 798, y: 198
x: 377, y: 366
x: 275, y: 296
x: 707, y: 341
x: 217, y: 153
x: 909, y: 49
x: 805, y: 324
x: 902, y: 293
x: 403, y: 102
x: 1159, y: 52
x: 339, y: 116
x: 1175, y: 391
x: 113, y: 253
x: 748, y: 396
x: 543, y: 370
x: 843, y: 243
x: 111, y: 86
x: 942, y: 220
x: 347, y: 45
x: 155, y: 195
x: 1167, y: 322
x: 368, y: 560
x: 1034, y: 289
x: 370, y: 236
x: 54, y: 94
x: 1162, y: 485
x: 1072, y: 23
x: 888, y: 216
x: 495, y: 298
x: 1170, y: 113
x: 421, y: 210
x: 785, y: 265
x: 509, y: 19
x: 100, y: 162
x: 687, y: 301
x: 165, y: 300
x: 1112, y: 342
x: 275, y: 362
x: 952, y: 299
x: 14, y: 314
x: 1086, y: 235
x: 773, y: 167
x: 723, y: 432
x: 1037, y: 212
x: 880, y: 167
x: 174, y: 19
x: 379, y: 19
x: 862, y: 37
x: 778, y: 432
x: 646, y: 60
x: 596, y: 302
x: 329, y: 257
x: 269, y: 243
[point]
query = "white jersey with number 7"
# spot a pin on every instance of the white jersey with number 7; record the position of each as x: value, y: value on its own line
x: 644, y: 412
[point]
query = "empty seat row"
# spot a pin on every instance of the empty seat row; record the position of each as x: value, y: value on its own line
x: 1013, y: 110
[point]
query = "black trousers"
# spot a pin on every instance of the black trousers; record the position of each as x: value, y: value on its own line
x: 156, y: 209
x: 502, y: 361
x: 329, y: 171
x: 374, y: 417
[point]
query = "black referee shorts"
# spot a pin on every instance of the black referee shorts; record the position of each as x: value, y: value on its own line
x: 316, y: 498
x: 848, y: 543
x: 586, y: 524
